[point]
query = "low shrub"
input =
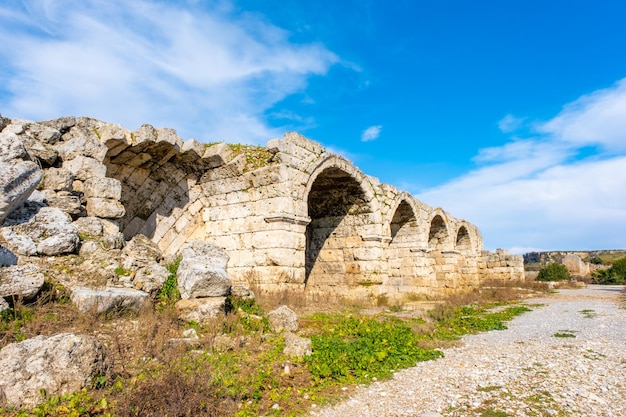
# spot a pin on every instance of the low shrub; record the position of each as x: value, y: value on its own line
x: 616, y: 274
x: 554, y: 272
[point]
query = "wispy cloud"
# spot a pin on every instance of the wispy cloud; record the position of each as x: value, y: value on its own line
x: 535, y: 192
x: 510, y: 123
x: 371, y: 133
x: 204, y: 70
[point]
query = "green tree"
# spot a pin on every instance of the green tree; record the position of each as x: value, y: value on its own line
x: 553, y: 272
x: 616, y: 274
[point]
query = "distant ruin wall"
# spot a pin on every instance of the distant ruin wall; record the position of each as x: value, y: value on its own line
x: 291, y: 216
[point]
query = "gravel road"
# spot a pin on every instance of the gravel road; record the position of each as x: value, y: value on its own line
x: 523, y: 371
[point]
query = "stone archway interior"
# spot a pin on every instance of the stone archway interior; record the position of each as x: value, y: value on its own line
x: 438, y: 233
x: 404, y: 236
x: 463, y: 241
x: 337, y: 207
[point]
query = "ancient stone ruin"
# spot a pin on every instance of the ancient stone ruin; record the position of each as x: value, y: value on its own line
x: 291, y: 217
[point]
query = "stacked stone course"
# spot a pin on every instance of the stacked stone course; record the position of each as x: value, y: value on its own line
x: 304, y: 221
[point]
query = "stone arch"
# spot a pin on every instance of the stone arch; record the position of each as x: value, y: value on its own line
x: 438, y: 234
x: 463, y: 239
x: 342, y: 210
x: 404, y: 232
x: 159, y: 178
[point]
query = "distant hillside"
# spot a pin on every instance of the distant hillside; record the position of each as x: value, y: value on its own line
x: 543, y: 258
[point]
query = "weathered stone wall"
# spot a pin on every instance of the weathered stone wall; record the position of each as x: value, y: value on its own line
x: 290, y: 216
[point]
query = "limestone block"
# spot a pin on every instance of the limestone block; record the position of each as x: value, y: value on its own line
x: 285, y: 257
x: 105, y: 207
x: 11, y: 146
x: 58, y: 244
x: 296, y: 345
x: 283, y: 318
x: 151, y: 278
x: 202, y: 271
x: 200, y: 310
x: 57, y: 365
x: 145, y: 133
x: 194, y: 146
x: 167, y: 135
x: 20, y: 281
x: 217, y: 155
x: 109, y: 300
x: 103, y: 188
x: 83, y: 167
x: 139, y: 160
x: 67, y: 201
x: 140, y: 252
x: 109, y: 227
x: 18, y: 179
x: 18, y: 243
x: 58, y: 179
x: 88, y: 226
x: 82, y: 140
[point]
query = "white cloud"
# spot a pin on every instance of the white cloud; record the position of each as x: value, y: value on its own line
x: 595, y: 119
x: 371, y: 133
x: 206, y: 72
x: 510, y: 123
x: 533, y: 193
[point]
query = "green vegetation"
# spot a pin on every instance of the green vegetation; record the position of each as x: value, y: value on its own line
x: 169, y: 293
x: 616, y: 274
x: 247, y: 373
x: 553, y: 272
x: 588, y: 314
x: 121, y: 271
x: 256, y: 156
x: 564, y: 334
x: 355, y: 349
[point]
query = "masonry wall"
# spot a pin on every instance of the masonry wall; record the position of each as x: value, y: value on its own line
x: 291, y: 216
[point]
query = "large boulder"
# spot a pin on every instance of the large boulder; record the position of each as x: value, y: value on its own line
x: 57, y: 365
x: 20, y: 281
x: 50, y: 229
x: 283, y: 318
x: 202, y: 271
x: 108, y: 300
x: 18, y: 179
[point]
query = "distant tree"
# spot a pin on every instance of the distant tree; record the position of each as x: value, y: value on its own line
x: 616, y: 274
x: 596, y: 260
x: 553, y: 272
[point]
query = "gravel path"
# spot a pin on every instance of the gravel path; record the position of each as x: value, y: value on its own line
x: 523, y: 371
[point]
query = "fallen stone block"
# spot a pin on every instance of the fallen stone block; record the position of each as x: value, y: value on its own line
x: 202, y: 271
x: 109, y: 300
x: 57, y: 365
x: 296, y: 345
x: 283, y: 318
x: 20, y: 281
x: 201, y: 309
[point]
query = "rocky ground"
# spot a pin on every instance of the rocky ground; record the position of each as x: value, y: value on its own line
x: 565, y: 358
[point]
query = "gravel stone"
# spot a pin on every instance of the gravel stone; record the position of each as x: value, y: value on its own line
x: 522, y: 371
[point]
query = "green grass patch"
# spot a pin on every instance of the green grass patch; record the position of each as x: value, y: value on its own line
x: 564, y: 334
x: 355, y: 349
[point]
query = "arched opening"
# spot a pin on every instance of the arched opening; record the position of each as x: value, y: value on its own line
x: 404, y: 236
x: 337, y: 207
x: 403, y: 224
x: 463, y: 241
x: 438, y: 233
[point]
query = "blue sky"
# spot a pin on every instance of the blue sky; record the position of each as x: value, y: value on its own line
x: 510, y: 114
